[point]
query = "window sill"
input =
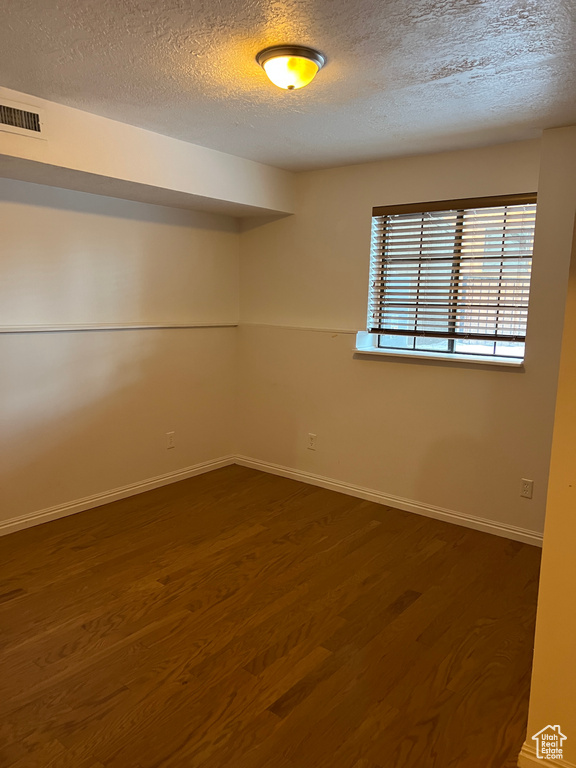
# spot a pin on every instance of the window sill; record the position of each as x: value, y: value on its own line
x: 366, y: 345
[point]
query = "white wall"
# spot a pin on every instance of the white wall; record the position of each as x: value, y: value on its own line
x: 83, y: 412
x: 449, y: 436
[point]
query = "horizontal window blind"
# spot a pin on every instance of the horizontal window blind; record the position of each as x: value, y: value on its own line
x: 457, y: 273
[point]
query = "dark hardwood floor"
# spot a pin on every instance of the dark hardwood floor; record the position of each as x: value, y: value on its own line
x: 241, y: 619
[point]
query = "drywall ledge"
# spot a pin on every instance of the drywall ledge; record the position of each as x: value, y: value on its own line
x: 427, y: 510
x: 89, y: 153
x: 97, y: 500
x: 93, y: 327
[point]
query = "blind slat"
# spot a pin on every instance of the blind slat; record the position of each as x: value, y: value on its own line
x: 461, y: 273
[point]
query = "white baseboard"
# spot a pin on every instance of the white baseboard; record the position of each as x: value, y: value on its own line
x: 439, y: 513
x: 447, y: 515
x: 528, y: 759
x: 88, y: 502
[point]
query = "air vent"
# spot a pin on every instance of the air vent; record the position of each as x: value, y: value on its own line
x: 23, y: 119
x: 18, y: 118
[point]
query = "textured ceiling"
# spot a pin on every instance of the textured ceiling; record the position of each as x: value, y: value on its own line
x: 403, y: 76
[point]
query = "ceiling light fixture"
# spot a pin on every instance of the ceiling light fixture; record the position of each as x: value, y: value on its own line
x: 290, y: 66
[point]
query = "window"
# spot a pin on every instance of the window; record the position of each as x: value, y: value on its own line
x: 452, y: 277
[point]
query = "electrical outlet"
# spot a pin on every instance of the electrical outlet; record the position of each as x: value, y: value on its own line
x: 170, y: 440
x: 526, y: 488
x: 311, y: 441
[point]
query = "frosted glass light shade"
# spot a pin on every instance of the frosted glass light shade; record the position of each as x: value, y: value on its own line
x: 290, y: 66
x: 290, y: 72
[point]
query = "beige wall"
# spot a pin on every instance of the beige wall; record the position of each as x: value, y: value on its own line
x: 454, y: 437
x: 77, y: 258
x: 85, y: 412
x: 311, y: 269
x: 553, y: 693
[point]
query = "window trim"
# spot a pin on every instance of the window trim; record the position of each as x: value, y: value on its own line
x: 526, y: 198
x: 367, y: 344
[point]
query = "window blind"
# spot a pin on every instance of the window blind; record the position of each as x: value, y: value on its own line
x: 453, y: 269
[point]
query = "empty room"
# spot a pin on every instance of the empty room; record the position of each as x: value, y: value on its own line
x: 288, y: 363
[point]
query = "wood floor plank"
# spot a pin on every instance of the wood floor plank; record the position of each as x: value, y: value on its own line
x: 243, y: 619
